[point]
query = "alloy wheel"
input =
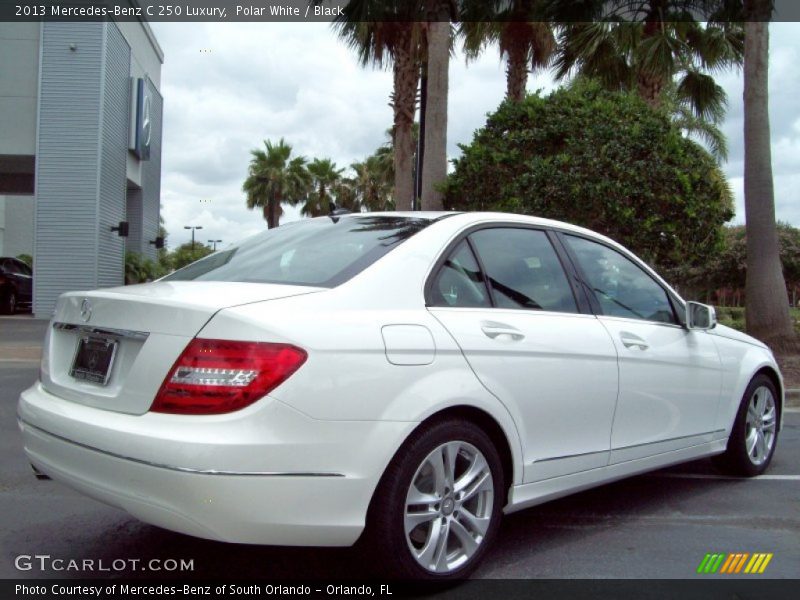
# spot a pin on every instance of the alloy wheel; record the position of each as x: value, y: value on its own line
x: 761, y: 424
x: 449, y: 507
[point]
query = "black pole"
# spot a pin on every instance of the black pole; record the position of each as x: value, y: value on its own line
x: 423, y: 107
x: 192, y: 240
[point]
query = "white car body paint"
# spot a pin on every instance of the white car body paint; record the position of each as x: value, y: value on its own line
x: 577, y: 407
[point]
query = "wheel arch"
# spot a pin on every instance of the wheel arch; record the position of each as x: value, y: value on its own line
x: 479, y: 418
x: 777, y: 381
x: 490, y: 426
x: 741, y: 362
x: 380, y: 523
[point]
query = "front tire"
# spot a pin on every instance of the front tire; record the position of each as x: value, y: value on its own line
x: 752, y: 442
x: 438, y: 505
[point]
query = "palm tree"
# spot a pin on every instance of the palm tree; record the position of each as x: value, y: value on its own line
x: 372, y: 183
x: 436, y: 52
x: 709, y: 132
x: 325, y: 178
x: 767, y: 311
x: 384, y: 32
x: 346, y: 196
x: 519, y: 28
x: 650, y: 49
x: 273, y: 177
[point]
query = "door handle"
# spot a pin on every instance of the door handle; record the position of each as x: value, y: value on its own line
x: 494, y: 330
x: 629, y: 340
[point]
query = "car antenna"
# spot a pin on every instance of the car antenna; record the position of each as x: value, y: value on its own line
x: 335, y: 213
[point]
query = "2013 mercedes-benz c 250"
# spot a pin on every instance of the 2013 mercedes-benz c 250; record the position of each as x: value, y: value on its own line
x: 399, y: 378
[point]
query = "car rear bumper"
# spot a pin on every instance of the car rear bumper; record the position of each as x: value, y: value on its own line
x: 268, y: 503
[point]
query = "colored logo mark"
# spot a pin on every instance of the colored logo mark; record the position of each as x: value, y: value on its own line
x: 736, y: 563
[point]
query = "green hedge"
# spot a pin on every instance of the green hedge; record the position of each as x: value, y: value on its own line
x: 734, y: 317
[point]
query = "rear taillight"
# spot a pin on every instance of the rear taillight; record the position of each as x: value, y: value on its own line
x: 219, y: 376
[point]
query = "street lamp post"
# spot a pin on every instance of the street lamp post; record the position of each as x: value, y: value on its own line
x: 193, y: 228
x: 215, y: 242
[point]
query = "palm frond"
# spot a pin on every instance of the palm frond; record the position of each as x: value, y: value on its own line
x: 705, y: 96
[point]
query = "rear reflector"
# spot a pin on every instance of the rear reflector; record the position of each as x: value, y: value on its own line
x: 219, y: 376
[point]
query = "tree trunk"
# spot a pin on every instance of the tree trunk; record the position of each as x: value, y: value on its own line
x: 767, y: 305
x: 516, y: 74
x: 273, y: 208
x: 434, y: 169
x: 423, y: 108
x: 649, y: 87
x: 406, y: 76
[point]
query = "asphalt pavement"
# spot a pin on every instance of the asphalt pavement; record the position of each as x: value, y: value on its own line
x: 659, y: 525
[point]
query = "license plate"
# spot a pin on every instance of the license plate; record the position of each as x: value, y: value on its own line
x: 93, y: 359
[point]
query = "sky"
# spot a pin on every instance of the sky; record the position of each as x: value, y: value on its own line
x: 227, y: 87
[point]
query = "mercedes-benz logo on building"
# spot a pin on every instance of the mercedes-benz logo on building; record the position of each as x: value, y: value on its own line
x: 86, y: 310
x: 147, y: 124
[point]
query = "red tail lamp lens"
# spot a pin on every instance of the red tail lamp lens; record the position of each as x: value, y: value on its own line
x: 212, y: 377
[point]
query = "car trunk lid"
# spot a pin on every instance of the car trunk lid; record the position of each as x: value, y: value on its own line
x: 140, y: 331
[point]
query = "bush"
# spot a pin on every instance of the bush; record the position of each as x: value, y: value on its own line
x: 185, y: 254
x: 731, y: 316
x: 141, y: 270
x: 599, y: 159
x: 27, y: 259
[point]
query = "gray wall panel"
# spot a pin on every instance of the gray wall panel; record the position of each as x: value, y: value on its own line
x: 82, y: 161
x: 19, y: 226
x: 19, y: 87
x: 114, y: 150
x: 67, y: 161
x: 134, y: 218
x: 151, y: 178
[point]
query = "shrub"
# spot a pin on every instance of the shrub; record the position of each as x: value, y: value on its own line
x: 604, y: 160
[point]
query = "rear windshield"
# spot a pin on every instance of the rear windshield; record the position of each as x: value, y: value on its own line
x: 321, y: 252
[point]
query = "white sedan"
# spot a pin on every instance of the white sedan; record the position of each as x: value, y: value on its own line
x: 399, y: 378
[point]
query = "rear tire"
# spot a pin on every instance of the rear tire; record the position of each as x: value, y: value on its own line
x: 438, y: 505
x: 754, y: 437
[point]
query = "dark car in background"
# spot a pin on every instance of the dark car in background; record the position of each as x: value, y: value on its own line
x: 16, y: 286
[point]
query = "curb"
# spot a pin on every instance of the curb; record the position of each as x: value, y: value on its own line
x: 793, y: 397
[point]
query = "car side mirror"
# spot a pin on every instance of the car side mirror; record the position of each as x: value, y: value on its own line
x: 700, y: 317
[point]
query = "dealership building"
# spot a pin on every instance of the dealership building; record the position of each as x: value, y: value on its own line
x: 80, y: 150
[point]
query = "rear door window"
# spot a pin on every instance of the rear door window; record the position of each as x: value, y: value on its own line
x: 523, y: 269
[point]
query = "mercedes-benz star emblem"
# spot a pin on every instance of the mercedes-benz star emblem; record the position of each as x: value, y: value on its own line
x: 86, y: 310
x: 147, y: 125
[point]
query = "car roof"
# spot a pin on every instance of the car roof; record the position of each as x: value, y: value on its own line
x: 469, y: 218
x: 461, y: 220
x: 430, y: 215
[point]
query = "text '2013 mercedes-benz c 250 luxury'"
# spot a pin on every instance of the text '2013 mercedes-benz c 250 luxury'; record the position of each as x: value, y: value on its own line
x: 399, y: 378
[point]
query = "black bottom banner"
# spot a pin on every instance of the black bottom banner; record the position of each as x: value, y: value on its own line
x: 478, y: 589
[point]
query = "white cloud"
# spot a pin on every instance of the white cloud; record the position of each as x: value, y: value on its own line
x: 298, y: 81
